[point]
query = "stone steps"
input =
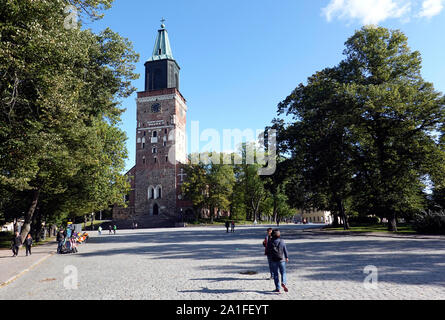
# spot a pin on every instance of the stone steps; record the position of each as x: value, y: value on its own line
x: 148, y: 222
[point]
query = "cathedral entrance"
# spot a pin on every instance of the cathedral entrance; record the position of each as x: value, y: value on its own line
x: 156, y: 210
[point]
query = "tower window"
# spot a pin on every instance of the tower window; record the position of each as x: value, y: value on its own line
x: 156, y: 160
x: 155, y: 150
x: 155, y: 134
x: 166, y: 158
x: 143, y: 146
x: 143, y: 160
x: 160, y: 51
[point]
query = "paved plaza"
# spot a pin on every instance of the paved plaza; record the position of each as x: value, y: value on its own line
x: 208, y: 263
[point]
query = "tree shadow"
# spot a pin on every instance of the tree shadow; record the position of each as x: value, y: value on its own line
x: 318, y: 257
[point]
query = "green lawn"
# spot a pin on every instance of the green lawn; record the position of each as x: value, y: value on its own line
x: 402, y: 228
x: 5, y: 239
x: 206, y: 222
x: 96, y: 224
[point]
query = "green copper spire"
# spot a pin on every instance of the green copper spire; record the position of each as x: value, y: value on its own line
x: 162, y: 49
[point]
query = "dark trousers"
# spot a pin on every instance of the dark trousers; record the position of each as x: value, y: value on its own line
x: 15, y: 250
x: 269, y: 260
x: 28, y: 250
x: 59, y: 247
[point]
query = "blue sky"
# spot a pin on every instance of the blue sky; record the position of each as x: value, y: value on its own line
x: 239, y: 59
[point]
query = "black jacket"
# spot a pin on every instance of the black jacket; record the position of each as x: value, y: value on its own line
x: 28, y: 242
x: 60, y: 237
x: 276, y: 250
x: 16, y: 241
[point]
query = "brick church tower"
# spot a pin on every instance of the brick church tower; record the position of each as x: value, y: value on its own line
x: 155, y: 199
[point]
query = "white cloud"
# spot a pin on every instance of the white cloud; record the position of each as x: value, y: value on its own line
x: 376, y: 11
x: 431, y: 8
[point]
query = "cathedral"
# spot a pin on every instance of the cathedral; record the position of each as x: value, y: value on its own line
x: 155, y: 198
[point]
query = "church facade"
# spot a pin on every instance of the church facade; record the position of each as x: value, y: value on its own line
x: 155, y: 198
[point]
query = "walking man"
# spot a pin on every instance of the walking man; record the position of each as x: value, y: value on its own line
x: 109, y: 229
x: 99, y: 230
x: 114, y: 229
x: 16, y: 242
x: 227, y: 226
x: 28, y: 244
x: 265, y: 243
x: 276, y: 249
x: 233, y: 226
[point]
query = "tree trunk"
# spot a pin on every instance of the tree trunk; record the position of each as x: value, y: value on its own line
x: 275, y: 213
x: 29, y: 215
x: 335, y: 220
x: 392, y: 223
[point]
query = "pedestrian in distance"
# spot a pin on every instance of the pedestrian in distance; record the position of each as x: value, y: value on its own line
x: 99, y: 230
x: 269, y: 260
x: 114, y: 229
x: 276, y: 249
x: 16, y: 243
x: 227, y: 226
x: 109, y: 229
x: 233, y: 226
x: 60, y: 239
x: 28, y: 244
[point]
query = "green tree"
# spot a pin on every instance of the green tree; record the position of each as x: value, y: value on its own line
x: 365, y: 129
x: 60, y: 91
x: 398, y: 114
x: 209, y: 184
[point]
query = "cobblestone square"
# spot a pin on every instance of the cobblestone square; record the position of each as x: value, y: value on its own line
x: 208, y: 263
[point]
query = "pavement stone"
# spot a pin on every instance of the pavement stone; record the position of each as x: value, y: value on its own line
x: 206, y: 263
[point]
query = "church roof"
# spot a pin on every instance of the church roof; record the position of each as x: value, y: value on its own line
x: 162, y: 49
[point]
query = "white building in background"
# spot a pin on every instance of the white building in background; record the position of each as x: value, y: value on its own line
x: 314, y: 216
x: 10, y: 226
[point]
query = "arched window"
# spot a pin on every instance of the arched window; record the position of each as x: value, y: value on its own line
x: 158, y: 192
x: 155, y: 134
x: 151, y: 193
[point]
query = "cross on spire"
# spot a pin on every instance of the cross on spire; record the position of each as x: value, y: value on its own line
x: 182, y: 175
x: 162, y: 23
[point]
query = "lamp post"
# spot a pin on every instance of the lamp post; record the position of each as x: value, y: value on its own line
x: 182, y: 217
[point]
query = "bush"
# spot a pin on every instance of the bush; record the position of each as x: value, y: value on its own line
x: 364, y: 220
x: 430, y: 222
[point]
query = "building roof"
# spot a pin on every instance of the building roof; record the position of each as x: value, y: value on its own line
x: 162, y: 49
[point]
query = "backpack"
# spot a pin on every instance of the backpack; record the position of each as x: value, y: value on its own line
x: 274, y: 251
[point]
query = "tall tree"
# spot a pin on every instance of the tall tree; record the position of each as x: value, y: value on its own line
x: 59, y: 92
x: 367, y: 128
x: 398, y: 115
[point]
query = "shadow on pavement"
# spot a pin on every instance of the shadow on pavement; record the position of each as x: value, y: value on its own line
x: 322, y: 257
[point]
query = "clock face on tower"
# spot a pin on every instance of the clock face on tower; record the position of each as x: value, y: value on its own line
x: 155, y: 108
